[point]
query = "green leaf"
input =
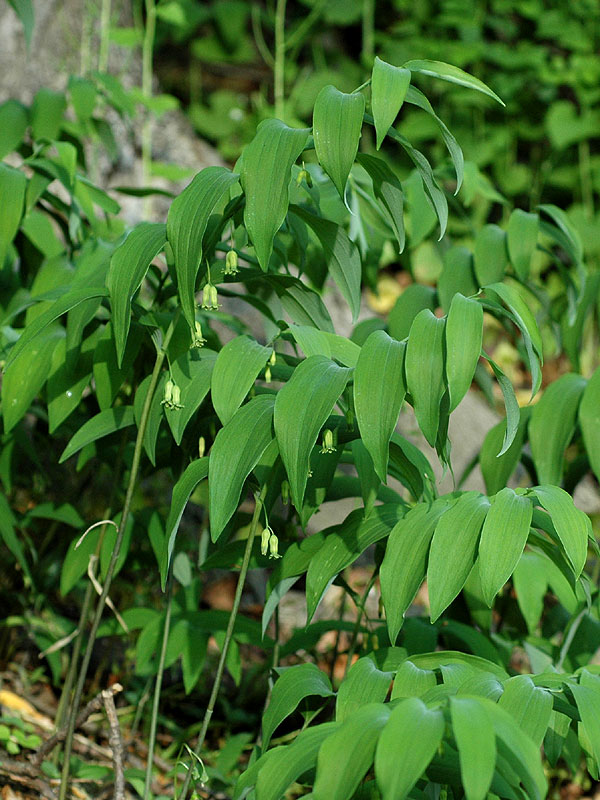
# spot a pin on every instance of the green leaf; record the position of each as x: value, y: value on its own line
x: 403, y: 567
x: 552, y: 424
x: 128, y: 267
x: 192, y: 372
x: 186, y: 224
x: 182, y: 491
x: 363, y: 684
x: 454, y: 549
x: 490, y: 255
x: 13, y: 124
x: 588, y: 704
x: 13, y: 184
x: 265, y: 170
x: 522, y: 234
x: 447, y: 72
x: 431, y: 187
x: 301, y: 409
x: 47, y: 114
x: 572, y: 525
x: 103, y: 424
x: 564, y: 224
x: 424, y: 365
x: 155, y: 413
x: 65, y: 382
x: 389, y: 85
x: 529, y: 705
x: 464, y: 334
x: 337, y: 125
x: 589, y: 419
x: 234, y: 454
x: 412, y: 681
x: 24, y: 10
x: 341, y: 254
x: 9, y: 535
x: 388, y: 193
x: 457, y: 276
x: 379, y: 390
x: 476, y: 742
x: 83, y: 96
x: 412, y: 300
x: 303, y: 305
x: 407, y: 744
x: 513, y: 412
x: 503, y: 538
x: 322, y: 343
x: 108, y: 377
x: 236, y: 368
x: 346, y: 755
x: 495, y: 468
x: 531, y: 584
x: 23, y: 381
x: 294, y: 684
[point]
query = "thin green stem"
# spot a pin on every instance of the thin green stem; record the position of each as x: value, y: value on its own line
x: 84, y: 47
x: 368, y: 33
x: 147, y: 52
x: 294, y: 40
x: 259, y: 39
x: 361, y: 611
x: 585, y: 177
x: 228, y: 635
x: 568, y: 641
x: 158, y: 686
x: 135, y: 467
x: 104, y: 35
x: 279, y: 76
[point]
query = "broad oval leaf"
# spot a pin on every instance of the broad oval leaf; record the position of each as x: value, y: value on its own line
x: 337, y: 124
x: 412, y: 681
x: 464, y: 334
x: 128, y: 266
x: 572, y: 525
x: 530, y: 705
x: 454, y: 549
x: 323, y: 343
x: 236, y: 368
x: 521, y: 237
x: 293, y: 685
x: 413, y: 299
x: 103, y: 424
x: 490, y: 255
x: 346, y: 755
x: 379, y: 390
x: 425, y: 371
x: 503, y: 538
x: 452, y: 74
x: 363, y: 684
x: 552, y: 425
x: 407, y: 744
x: 589, y: 419
x: 476, y: 742
x: 388, y: 193
x: 588, y: 704
x: 265, y: 170
x: 301, y: 409
x: 186, y: 224
x: 389, y: 85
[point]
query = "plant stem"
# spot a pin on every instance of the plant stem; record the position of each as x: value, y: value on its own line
x: 147, y: 51
x: 568, y: 640
x: 585, y: 177
x: 279, y: 89
x: 368, y: 33
x: 104, y: 35
x: 228, y: 634
x: 361, y: 611
x: 158, y: 686
x: 135, y: 467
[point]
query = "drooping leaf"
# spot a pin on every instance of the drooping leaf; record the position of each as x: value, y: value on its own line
x: 301, y: 409
x: 476, y: 741
x: 337, y: 124
x: 511, y: 406
x: 192, y: 372
x: 322, y: 343
x: 389, y: 85
x: 572, y: 525
x: 186, y: 224
x: 265, y: 170
x: 379, y: 390
x: 588, y: 704
x: 236, y: 368
x: 589, y: 419
x: 452, y: 74
x: 128, y: 267
x: 503, y: 538
x: 293, y: 685
x: 363, y: 684
x: 388, y: 193
x: 457, y: 276
x: 424, y: 363
x: 13, y: 184
x: 407, y: 744
x: 454, y: 549
x: 102, y: 424
x: 300, y: 302
x: 495, y: 468
x: 464, y: 334
x: 531, y: 584
x: 564, y: 224
x: 552, y: 425
x: 530, y: 706
x: 24, y: 10
x: 234, y: 454
x: 521, y: 237
x: 490, y: 255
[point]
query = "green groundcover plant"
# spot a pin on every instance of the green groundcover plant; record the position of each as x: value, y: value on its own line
x: 127, y: 357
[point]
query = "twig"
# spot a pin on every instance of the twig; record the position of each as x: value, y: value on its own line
x: 91, y: 571
x: 115, y: 742
x: 93, y: 706
x: 25, y: 774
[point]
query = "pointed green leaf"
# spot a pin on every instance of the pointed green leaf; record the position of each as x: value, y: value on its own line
x: 454, y: 549
x: 108, y: 377
x: 388, y: 193
x: 389, y: 85
x: 192, y: 372
x: 531, y: 584
x: 128, y: 267
x: 412, y: 681
x: 236, y: 368
x: 552, y: 425
x: 503, y: 538
x: 301, y: 409
x: 452, y: 74
x: 12, y: 198
x: 234, y: 454
x: 572, y: 525
x: 186, y: 224
x: 403, y: 567
x: 265, y: 170
x: 65, y: 382
x: 511, y: 406
x: 346, y: 756
x: 10, y: 537
x: 407, y: 744
x: 432, y: 189
x: 303, y: 305
x: 464, y: 334
x: 322, y: 343
x: 589, y: 419
x: 13, y: 124
x: 476, y: 743
x: 564, y: 224
x: 490, y: 255
x: 424, y: 365
x: 412, y: 300
x: 182, y: 491
x: 588, y: 704
x: 497, y: 469
x: 103, y: 424
x: 529, y: 705
x: 337, y: 125
x: 47, y: 114
x: 363, y: 684
x: 517, y: 303
x: 457, y: 276
x: 294, y: 684
x: 379, y: 390
x: 522, y: 234
x: 341, y: 254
